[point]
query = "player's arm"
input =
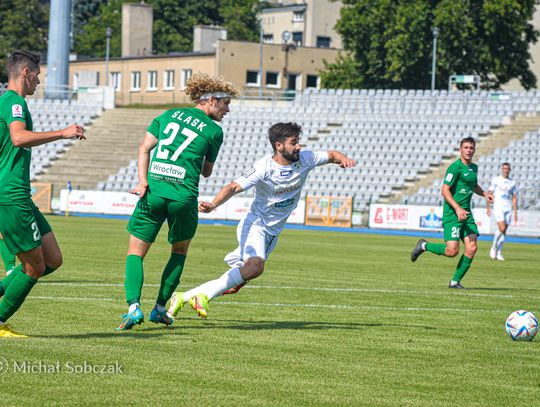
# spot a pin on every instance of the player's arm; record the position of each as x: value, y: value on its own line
x: 143, y: 161
x: 491, y: 188
x: 335, y: 157
x: 222, y: 196
x: 207, y: 168
x: 447, y: 195
x: 487, y: 194
x: 26, y: 138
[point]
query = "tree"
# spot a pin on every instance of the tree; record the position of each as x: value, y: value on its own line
x: 23, y: 25
x: 240, y: 19
x: 92, y: 41
x: 389, y: 42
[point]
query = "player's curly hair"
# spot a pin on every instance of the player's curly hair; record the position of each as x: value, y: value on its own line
x: 201, y: 83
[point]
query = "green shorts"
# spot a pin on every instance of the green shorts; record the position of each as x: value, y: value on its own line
x: 455, y: 229
x: 22, y: 225
x: 151, y: 211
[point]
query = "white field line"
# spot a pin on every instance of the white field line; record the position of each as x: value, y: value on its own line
x: 324, y: 289
x: 281, y: 305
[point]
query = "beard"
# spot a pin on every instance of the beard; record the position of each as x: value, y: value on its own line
x: 292, y: 157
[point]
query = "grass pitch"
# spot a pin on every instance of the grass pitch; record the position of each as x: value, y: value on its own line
x: 336, y: 319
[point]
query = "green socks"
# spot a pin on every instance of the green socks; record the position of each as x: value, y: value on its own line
x: 462, y: 267
x: 7, y: 257
x: 436, y: 248
x: 134, y: 279
x: 8, y: 279
x: 15, y: 294
x: 170, y: 278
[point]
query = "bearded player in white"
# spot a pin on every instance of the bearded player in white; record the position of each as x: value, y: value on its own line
x: 278, y: 181
x: 504, y: 191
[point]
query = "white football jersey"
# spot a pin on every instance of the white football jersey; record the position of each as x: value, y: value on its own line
x: 278, y: 188
x: 503, y: 189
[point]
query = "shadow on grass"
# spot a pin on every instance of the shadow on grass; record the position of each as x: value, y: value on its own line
x: 180, y: 328
x: 290, y: 325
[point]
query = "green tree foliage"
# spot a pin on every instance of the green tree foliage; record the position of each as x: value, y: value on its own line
x: 91, y: 40
x: 240, y: 19
x: 173, y: 24
x: 23, y: 25
x: 389, y: 42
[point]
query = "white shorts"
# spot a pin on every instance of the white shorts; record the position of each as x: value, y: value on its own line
x: 253, y: 242
x: 502, y: 215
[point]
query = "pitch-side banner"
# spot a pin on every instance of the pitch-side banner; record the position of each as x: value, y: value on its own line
x: 123, y: 203
x: 409, y: 217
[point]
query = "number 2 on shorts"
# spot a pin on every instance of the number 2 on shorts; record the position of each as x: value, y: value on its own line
x: 455, y: 232
x: 35, y: 229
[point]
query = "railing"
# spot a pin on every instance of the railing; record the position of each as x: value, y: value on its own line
x: 92, y: 94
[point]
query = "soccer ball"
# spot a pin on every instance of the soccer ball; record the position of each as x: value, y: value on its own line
x: 522, y: 326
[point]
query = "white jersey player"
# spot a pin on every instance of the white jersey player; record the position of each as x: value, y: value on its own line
x: 278, y: 181
x: 504, y: 191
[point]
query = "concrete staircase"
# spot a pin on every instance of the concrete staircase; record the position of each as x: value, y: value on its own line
x: 486, y: 145
x: 111, y: 142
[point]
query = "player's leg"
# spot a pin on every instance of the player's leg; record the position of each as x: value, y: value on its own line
x: 499, y: 233
x: 33, y: 267
x: 143, y: 226
x: 465, y: 260
x: 7, y: 258
x: 182, y: 218
x: 449, y: 249
x: 502, y: 228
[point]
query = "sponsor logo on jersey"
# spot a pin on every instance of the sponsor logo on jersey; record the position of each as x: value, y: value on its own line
x: 168, y: 170
x: 16, y: 111
x: 284, y: 173
x: 285, y: 203
x: 249, y: 172
x: 286, y: 187
x: 449, y: 177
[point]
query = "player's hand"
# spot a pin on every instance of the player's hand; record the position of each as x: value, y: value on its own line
x: 206, y: 207
x: 461, y: 214
x: 347, y: 163
x: 488, y: 211
x: 139, y: 190
x: 489, y: 196
x: 74, y: 131
x: 515, y: 217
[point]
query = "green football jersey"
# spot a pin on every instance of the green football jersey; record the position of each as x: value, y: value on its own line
x: 185, y: 137
x: 14, y: 161
x: 462, y: 180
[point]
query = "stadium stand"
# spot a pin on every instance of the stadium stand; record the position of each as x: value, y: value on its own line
x: 398, y: 136
x: 53, y: 114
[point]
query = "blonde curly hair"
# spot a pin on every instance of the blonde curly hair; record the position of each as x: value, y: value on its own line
x: 201, y: 83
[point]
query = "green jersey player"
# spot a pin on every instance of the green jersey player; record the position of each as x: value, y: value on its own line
x: 24, y: 229
x: 185, y: 144
x: 460, y: 181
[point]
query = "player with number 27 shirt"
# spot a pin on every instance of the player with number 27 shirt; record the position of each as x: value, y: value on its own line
x: 185, y: 144
x: 460, y: 182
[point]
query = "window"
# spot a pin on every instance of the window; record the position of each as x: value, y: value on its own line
x: 297, y: 38
x: 272, y: 79
x: 135, y: 80
x: 323, y: 42
x: 115, y: 80
x: 312, y: 81
x: 152, y: 80
x: 268, y: 38
x: 298, y: 16
x: 186, y: 74
x: 168, y: 79
x: 253, y: 78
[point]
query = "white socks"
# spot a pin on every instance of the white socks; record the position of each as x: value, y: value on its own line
x: 216, y: 287
x: 498, y: 241
x: 133, y: 307
x: 500, y: 244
